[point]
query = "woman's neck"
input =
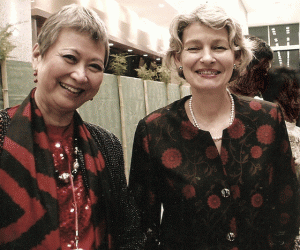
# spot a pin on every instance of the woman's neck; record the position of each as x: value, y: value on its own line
x: 211, y: 108
x: 213, y: 112
x: 54, y: 117
x: 57, y: 120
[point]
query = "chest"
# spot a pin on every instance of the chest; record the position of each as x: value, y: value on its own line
x: 190, y: 164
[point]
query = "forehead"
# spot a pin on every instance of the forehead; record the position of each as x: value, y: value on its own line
x: 67, y: 35
x: 200, y: 32
x: 81, y: 41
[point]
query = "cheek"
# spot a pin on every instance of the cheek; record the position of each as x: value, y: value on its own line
x: 230, y: 58
x: 189, y: 60
x: 96, y: 82
x: 50, y: 70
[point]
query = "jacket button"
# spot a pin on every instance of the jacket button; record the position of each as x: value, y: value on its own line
x: 225, y: 192
x: 230, y: 236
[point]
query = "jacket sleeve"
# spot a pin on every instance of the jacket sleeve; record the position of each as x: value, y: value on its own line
x: 129, y: 233
x: 124, y: 216
x: 143, y: 183
x: 285, y: 209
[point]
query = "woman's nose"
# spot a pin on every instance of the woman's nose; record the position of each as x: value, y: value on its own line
x: 79, y: 74
x: 207, y: 56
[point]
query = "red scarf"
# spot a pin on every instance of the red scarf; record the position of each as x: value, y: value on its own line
x: 28, y: 197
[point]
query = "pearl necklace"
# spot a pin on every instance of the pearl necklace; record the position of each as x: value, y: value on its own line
x: 230, y: 120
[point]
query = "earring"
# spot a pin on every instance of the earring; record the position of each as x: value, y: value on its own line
x: 234, y: 66
x: 180, y: 72
x: 35, y: 76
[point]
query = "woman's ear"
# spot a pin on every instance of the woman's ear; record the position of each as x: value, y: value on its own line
x: 36, y: 55
x: 178, y: 63
x: 177, y: 60
x: 237, y: 56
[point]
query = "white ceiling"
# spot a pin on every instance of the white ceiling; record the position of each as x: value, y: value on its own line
x: 260, y: 12
x: 270, y: 12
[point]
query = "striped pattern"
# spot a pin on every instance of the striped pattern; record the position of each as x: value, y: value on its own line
x: 28, y: 198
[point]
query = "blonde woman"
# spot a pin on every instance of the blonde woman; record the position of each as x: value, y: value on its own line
x: 220, y: 164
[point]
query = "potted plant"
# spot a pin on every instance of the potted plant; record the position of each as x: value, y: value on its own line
x: 118, y: 64
x: 147, y: 74
x: 164, y: 74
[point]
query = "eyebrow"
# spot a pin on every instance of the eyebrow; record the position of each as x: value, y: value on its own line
x: 213, y: 41
x: 76, y: 52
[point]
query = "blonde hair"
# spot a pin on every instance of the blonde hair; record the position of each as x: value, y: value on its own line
x: 75, y: 17
x: 216, y: 18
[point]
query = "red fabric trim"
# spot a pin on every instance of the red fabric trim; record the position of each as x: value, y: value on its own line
x: 44, y: 184
x: 27, y: 111
x: 21, y: 154
x: 32, y: 208
x: 50, y: 242
x: 41, y: 139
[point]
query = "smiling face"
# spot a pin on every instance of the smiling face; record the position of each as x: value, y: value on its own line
x: 70, y: 72
x: 206, y: 58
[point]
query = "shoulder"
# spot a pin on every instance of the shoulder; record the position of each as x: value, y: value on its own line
x: 174, y: 110
x: 259, y: 115
x: 102, y: 134
x: 5, y: 118
x: 254, y: 104
x: 4, y: 123
x: 4, y: 114
x: 108, y: 144
x: 257, y: 109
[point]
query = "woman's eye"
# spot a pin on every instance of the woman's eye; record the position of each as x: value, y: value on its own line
x: 70, y: 58
x: 96, y: 67
x: 193, y: 49
x: 220, y: 48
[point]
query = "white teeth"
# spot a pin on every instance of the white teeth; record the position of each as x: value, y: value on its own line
x: 208, y: 72
x: 73, y: 90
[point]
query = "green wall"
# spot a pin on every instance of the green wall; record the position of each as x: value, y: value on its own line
x: 19, y: 80
x: 104, y: 109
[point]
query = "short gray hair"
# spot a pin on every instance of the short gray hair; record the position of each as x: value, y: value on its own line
x: 213, y: 17
x: 75, y: 17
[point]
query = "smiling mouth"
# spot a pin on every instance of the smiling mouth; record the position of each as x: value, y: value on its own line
x: 207, y: 72
x: 71, y: 89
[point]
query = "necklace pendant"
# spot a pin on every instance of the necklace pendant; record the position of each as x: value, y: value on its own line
x: 217, y: 139
x: 65, y: 177
x: 77, y: 239
x: 76, y: 164
x: 74, y: 172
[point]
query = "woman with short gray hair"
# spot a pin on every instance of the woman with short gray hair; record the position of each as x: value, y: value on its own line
x: 62, y: 180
